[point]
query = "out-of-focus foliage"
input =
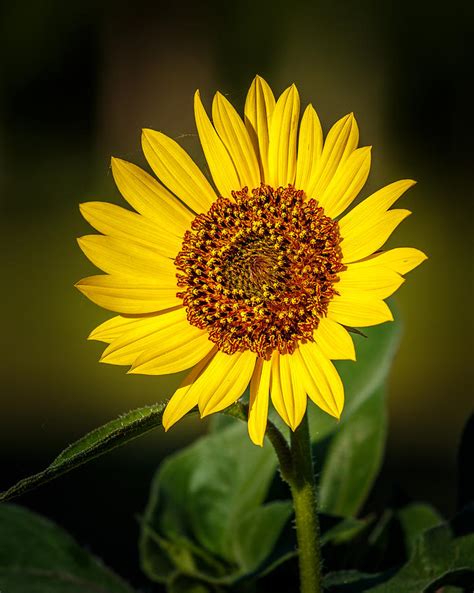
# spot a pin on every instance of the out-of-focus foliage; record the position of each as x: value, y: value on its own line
x: 36, y: 556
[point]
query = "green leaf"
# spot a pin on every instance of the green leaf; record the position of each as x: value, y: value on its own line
x: 351, y: 452
x: 257, y: 533
x: 36, y: 556
x: 441, y: 556
x: 353, y: 458
x: 182, y: 584
x: 210, y: 496
x: 339, y: 530
x: 101, y: 440
x: 416, y: 518
x: 222, y: 485
x: 350, y: 581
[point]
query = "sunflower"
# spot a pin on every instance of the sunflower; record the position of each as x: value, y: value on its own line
x: 253, y: 278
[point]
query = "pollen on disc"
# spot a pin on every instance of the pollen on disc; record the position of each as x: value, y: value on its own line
x: 258, y: 271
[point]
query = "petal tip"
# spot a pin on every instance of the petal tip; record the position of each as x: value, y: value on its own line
x: 293, y: 424
x: 255, y: 436
x: 105, y: 354
x: 204, y: 412
x: 423, y: 257
x: 117, y: 165
x: 409, y: 183
x: 147, y: 133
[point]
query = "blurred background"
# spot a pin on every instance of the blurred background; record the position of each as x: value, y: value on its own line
x: 79, y: 81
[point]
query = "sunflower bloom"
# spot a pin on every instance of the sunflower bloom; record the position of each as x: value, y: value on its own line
x: 255, y: 278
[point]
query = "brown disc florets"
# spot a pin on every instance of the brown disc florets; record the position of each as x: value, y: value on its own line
x: 258, y: 271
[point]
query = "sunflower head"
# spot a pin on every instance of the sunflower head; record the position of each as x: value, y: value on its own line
x: 252, y: 277
x: 259, y: 270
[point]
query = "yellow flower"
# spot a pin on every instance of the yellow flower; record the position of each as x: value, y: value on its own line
x: 254, y: 279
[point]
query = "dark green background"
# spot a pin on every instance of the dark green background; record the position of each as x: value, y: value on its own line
x: 79, y: 81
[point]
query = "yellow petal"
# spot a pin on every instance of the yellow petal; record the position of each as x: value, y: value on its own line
x: 341, y: 141
x: 358, y: 310
x: 224, y: 381
x: 369, y: 235
x: 126, y: 258
x: 347, y: 182
x: 112, y: 329
x: 321, y: 379
x: 282, y: 139
x: 147, y: 334
x: 280, y: 403
x: 259, y: 107
x: 287, y: 390
x: 150, y: 198
x: 115, y: 221
x: 177, y: 171
x: 127, y: 295
x: 220, y: 164
x: 259, y: 394
x: 184, y: 398
x: 374, y: 207
x: 401, y: 259
x: 292, y: 383
x: 173, y: 348
x: 371, y: 219
x: 379, y: 281
x: 133, y: 339
x: 310, y: 144
x: 173, y: 354
x: 235, y: 136
x: 334, y: 340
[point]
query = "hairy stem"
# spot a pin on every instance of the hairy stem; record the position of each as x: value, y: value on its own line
x: 303, y: 490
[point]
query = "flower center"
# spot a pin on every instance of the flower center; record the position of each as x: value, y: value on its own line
x: 258, y: 271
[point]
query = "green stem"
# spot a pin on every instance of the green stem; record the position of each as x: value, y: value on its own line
x: 303, y: 490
